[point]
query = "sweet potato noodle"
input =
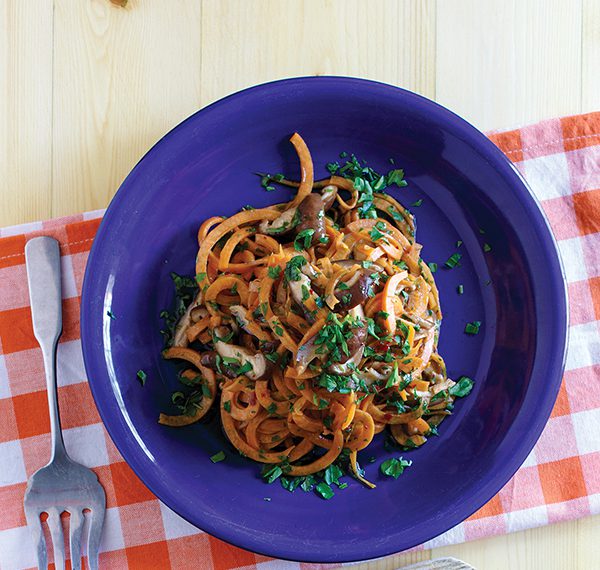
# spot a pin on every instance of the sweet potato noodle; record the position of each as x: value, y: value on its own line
x: 315, y: 326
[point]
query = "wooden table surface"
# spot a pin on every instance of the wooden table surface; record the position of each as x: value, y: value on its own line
x: 87, y: 87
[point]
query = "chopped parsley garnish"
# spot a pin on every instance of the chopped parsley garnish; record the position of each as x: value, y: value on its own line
x: 433, y: 267
x: 292, y: 269
x: 110, y: 314
x: 462, y: 388
x: 271, y: 472
x: 227, y: 406
x: 459, y: 243
x: 267, y: 178
x: 186, y: 289
x: 487, y: 247
x: 394, y: 467
x: 472, y: 328
x: 396, y: 177
x: 481, y: 231
x: 417, y: 203
x: 453, y: 260
x: 142, y: 377
x: 324, y: 490
x: 332, y: 167
x: 378, y: 231
x: 274, y: 272
x: 460, y: 289
x: 303, y: 239
x: 401, y: 264
x: 220, y: 456
x: 272, y: 408
x: 394, y: 377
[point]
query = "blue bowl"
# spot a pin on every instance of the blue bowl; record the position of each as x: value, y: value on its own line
x: 204, y: 167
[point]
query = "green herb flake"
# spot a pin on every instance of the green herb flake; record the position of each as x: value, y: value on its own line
x: 272, y: 408
x: 324, y: 490
x: 396, y: 177
x: 111, y: 315
x: 394, y: 467
x: 292, y: 269
x: 462, y: 388
x: 332, y: 167
x: 271, y: 472
x: 487, y: 247
x: 417, y: 203
x: 460, y: 289
x: 453, y: 260
x: 142, y: 376
x: 376, y: 234
x: 274, y: 272
x: 433, y: 267
x: 473, y: 328
x: 401, y: 264
x: 220, y: 456
x: 227, y: 406
x: 459, y: 243
x: 342, y: 485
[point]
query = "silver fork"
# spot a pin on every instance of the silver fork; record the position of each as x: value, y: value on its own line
x: 62, y: 485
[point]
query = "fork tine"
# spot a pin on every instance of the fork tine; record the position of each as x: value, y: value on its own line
x: 75, y: 531
x: 37, y: 533
x: 58, y: 539
x: 96, y: 520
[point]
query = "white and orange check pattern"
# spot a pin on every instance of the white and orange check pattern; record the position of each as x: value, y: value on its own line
x: 559, y: 480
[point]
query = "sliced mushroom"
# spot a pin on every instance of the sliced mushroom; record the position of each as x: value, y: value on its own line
x: 358, y: 338
x: 328, y: 195
x: 243, y: 355
x: 179, y: 337
x: 357, y: 293
x: 372, y: 376
x: 198, y: 313
x: 348, y: 365
x: 240, y: 315
x: 280, y: 225
x: 209, y: 359
x: 312, y: 216
x: 306, y: 353
x: 299, y: 287
x: 357, y: 312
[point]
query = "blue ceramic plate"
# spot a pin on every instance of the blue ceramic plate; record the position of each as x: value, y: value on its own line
x: 204, y: 168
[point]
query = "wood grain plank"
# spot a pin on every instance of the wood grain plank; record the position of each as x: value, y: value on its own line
x: 25, y: 110
x: 555, y: 547
x: 590, y: 65
x: 506, y: 62
x: 122, y: 78
x: 244, y: 43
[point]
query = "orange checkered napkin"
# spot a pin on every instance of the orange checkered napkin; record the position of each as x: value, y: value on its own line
x: 559, y: 480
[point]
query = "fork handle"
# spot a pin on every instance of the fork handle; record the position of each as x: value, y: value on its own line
x: 42, y: 257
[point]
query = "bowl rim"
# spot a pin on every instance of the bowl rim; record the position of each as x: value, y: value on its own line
x: 505, y: 169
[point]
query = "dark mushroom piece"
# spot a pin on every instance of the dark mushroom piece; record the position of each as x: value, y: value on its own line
x: 209, y: 359
x: 356, y: 294
x: 357, y: 340
x: 312, y: 216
